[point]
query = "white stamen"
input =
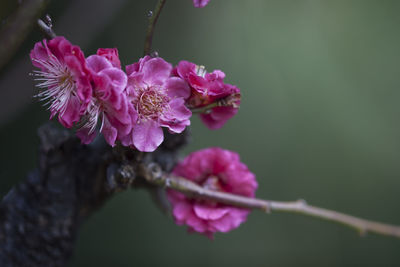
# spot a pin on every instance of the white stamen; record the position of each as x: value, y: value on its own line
x: 91, y: 117
x: 56, y: 84
x: 201, y: 70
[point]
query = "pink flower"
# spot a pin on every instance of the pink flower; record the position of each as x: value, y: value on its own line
x: 208, y: 88
x: 200, y: 3
x: 216, y: 169
x: 63, y: 78
x: 109, y: 104
x: 159, y: 101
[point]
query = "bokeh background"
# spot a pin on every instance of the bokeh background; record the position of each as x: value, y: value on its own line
x: 319, y: 120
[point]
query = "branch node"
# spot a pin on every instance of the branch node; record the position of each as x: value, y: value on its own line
x: 154, y: 54
x: 119, y: 178
x: 49, y: 21
x: 267, y: 209
x: 168, y: 183
x: 155, y: 171
x: 302, y: 202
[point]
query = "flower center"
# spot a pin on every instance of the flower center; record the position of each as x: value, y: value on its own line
x: 66, y: 78
x: 151, y: 102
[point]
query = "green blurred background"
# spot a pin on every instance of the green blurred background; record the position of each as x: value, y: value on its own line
x: 319, y: 120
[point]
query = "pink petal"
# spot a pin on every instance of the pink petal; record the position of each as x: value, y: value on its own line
x: 197, y: 224
x: 215, y: 75
x: 147, y: 136
x: 177, y: 118
x: 111, y: 54
x: 179, y: 110
x: 206, y: 212
x: 84, y: 136
x: 39, y: 53
x: 122, y: 113
x: 185, y: 68
x: 230, y: 221
x: 109, y: 132
x: 181, y: 211
x: 176, y: 128
x: 117, y: 78
x: 71, y: 114
x: 176, y: 87
x: 218, y: 117
x: 84, y: 90
x: 156, y: 71
x: 198, y: 83
x: 135, y: 80
x: 132, y: 68
x: 98, y: 63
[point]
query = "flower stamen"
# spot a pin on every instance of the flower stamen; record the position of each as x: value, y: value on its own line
x: 151, y: 103
x: 56, y: 84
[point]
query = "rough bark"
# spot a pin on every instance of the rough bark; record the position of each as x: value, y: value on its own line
x: 41, y: 216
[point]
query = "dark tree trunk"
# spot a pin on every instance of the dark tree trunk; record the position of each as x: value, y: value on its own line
x: 40, y: 217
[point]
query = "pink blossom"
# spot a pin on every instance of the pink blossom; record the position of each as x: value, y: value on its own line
x: 216, y: 169
x: 208, y: 88
x: 64, y: 79
x: 200, y: 3
x: 159, y: 101
x: 109, y: 104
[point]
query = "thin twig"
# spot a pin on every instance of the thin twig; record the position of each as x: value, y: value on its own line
x: 193, y: 190
x: 17, y: 28
x: 150, y: 29
x: 46, y: 29
x: 229, y: 101
x: 204, y: 109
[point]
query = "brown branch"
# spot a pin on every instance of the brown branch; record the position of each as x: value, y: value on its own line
x: 150, y: 29
x: 17, y: 28
x: 154, y: 175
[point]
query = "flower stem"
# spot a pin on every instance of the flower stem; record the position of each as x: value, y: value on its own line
x: 229, y: 101
x: 205, y: 108
x: 150, y: 29
x: 193, y: 190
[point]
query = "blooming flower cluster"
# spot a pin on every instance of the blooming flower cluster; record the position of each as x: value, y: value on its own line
x: 94, y: 94
x: 131, y: 107
x: 219, y: 170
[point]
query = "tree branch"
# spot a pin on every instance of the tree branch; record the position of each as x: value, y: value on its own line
x: 150, y: 29
x: 154, y: 175
x: 40, y: 217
